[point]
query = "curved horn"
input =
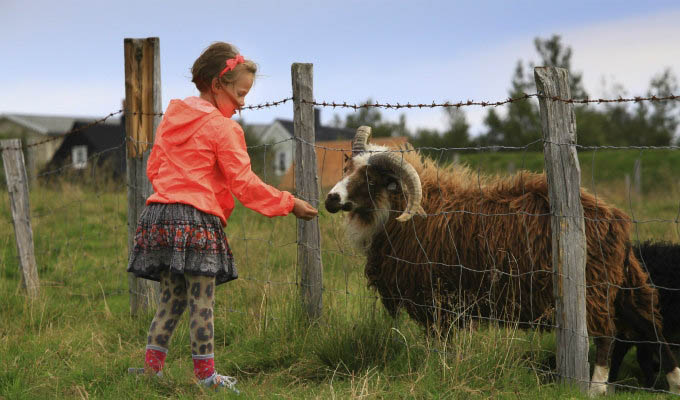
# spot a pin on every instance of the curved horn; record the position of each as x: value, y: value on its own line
x: 360, y: 140
x: 410, y: 178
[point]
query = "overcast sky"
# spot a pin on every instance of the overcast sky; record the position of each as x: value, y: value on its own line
x: 66, y: 57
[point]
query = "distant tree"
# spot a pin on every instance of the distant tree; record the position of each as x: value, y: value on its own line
x: 457, y: 133
x: 429, y: 143
x: 442, y: 146
x: 664, y: 116
x: 554, y: 54
x: 612, y: 124
x: 641, y: 124
x: 521, y: 123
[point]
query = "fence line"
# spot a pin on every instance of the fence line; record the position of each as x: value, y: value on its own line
x: 408, y: 105
x: 469, y: 103
x: 94, y: 156
x: 350, y: 294
x: 453, y: 212
x: 308, y: 143
x: 415, y: 149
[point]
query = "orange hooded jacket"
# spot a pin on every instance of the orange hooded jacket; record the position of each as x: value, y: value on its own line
x: 199, y: 157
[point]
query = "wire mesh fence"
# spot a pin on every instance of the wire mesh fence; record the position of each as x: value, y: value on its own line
x: 79, y: 216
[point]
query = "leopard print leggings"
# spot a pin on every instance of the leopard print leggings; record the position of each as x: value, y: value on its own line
x: 176, y: 289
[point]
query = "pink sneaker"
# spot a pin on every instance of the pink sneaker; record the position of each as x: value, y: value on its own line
x: 217, y: 381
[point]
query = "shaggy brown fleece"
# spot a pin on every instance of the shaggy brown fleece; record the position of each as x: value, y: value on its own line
x: 487, y: 250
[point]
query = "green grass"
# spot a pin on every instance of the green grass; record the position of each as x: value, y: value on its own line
x: 77, y: 339
x: 610, y: 174
x: 599, y: 167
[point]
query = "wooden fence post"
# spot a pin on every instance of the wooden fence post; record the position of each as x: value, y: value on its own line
x: 17, y: 187
x: 567, y: 224
x: 142, y: 116
x: 307, y: 187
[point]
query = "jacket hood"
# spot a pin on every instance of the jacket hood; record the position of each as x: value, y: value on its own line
x: 181, y: 116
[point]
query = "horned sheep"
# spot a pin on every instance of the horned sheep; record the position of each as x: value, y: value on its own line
x: 485, y: 242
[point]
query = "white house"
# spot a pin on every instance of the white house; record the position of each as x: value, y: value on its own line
x: 279, y: 135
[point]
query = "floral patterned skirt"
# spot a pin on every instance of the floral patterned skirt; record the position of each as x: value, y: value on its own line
x: 182, y: 239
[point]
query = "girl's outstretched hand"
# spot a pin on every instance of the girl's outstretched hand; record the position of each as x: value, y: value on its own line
x: 304, y: 210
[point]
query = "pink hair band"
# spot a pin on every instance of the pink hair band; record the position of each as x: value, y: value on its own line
x: 232, y: 63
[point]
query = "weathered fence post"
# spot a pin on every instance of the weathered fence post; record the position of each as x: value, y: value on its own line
x: 17, y: 187
x: 567, y: 224
x: 142, y: 115
x: 307, y: 187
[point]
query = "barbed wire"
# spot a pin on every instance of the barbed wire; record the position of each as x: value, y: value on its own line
x: 408, y: 105
x: 128, y: 112
x: 468, y: 103
x: 267, y: 104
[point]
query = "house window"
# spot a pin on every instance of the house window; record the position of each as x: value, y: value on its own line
x: 282, y: 162
x: 79, y: 156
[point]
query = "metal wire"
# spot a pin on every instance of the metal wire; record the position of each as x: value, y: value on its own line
x: 273, y: 243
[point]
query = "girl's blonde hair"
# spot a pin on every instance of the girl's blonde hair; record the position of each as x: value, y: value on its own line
x: 212, y: 61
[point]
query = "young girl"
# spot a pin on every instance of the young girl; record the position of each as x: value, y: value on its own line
x: 198, y: 161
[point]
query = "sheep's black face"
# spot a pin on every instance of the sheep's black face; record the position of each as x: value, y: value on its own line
x: 334, y: 203
x: 337, y: 198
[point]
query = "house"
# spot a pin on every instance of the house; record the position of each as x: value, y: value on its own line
x: 93, y: 145
x: 48, y: 130
x: 280, y: 132
x: 330, y: 160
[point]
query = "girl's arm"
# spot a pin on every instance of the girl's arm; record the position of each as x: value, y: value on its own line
x: 234, y: 162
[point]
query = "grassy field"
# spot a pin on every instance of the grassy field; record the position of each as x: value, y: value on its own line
x: 77, y: 340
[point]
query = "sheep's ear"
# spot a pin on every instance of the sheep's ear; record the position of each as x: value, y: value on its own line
x: 393, y: 184
x: 386, y: 177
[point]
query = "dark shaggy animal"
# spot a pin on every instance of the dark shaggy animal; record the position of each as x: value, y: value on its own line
x: 662, y: 261
x: 485, y: 244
